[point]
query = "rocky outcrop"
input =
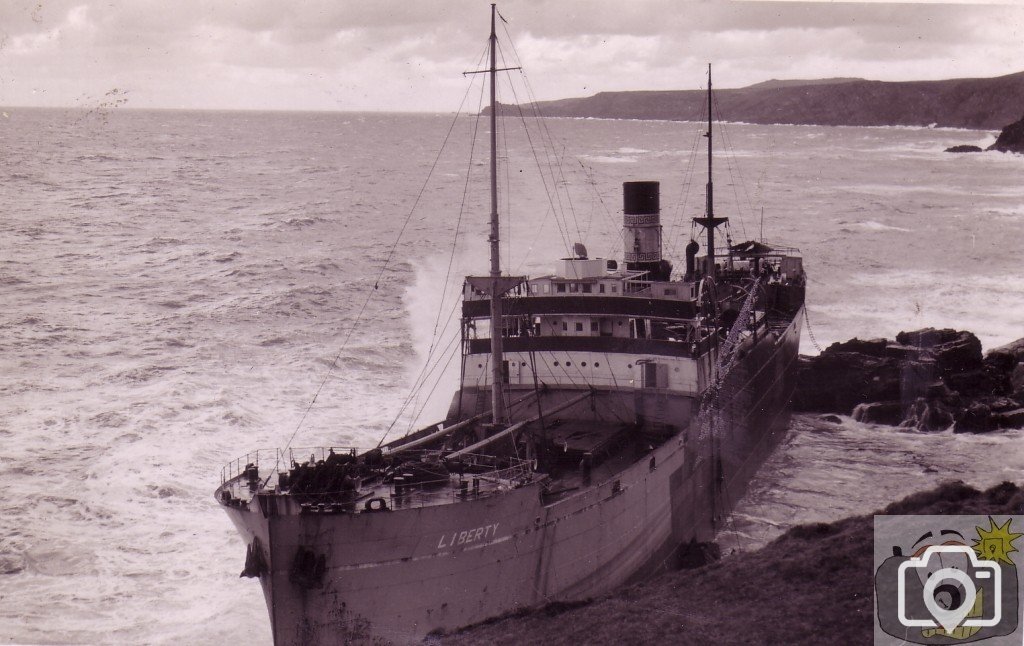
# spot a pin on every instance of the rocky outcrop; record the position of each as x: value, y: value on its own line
x: 879, y: 413
x: 926, y: 379
x: 964, y: 148
x: 1011, y: 139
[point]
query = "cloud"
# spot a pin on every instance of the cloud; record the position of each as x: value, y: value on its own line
x: 330, y: 54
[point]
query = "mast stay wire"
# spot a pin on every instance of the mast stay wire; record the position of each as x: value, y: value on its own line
x: 421, y: 378
x: 376, y: 282
x: 677, y: 228
x: 562, y: 229
x: 547, y: 141
x: 449, y: 351
x: 549, y: 149
x: 588, y: 172
x: 730, y: 162
x: 531, y: 96
x: 458, y: 224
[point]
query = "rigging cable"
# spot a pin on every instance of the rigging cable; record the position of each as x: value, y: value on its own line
x: 458, y: 223
x: 738, y: 179
x: 563, y: 231
x: 376, y: 282
x: 588, y: 172
x: 419, y: 382
x: 549, y: 149
x: 676, y: 229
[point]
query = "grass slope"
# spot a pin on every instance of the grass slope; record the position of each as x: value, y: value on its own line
x: 812, y: 585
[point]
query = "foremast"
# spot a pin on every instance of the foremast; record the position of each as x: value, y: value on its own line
x: 497, y: 356
x: 709, y: 221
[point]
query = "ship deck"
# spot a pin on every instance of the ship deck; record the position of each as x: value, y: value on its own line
x: 580, y: 452
x: 405, y: 486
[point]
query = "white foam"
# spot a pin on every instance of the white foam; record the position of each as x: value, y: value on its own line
x: 872, y: 225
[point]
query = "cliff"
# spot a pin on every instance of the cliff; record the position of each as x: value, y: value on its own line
x: 986, y: 103
x: 1011, y: 139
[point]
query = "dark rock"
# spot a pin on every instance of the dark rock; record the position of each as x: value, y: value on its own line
x: 1015, y: 348
x: 954, y: 351
x: 832, y: 419
x: 1000, y: 361
x: 927, y: 337
x: 835, y: 382
x: 964, y: 148
x: 938, y: 390
x: 870, y: 347
x: 998, y: 404
x: 1010, y: 419
x: 917, y: 377
x: 978, y: 383
x: 695, y: 555
x: 977, y: 418
x: 890, y: 413
x: 1017, y: 377
x: 930, y: 379
x: 902, y: 352
x: 928, y: 415
x: 1011, y: 139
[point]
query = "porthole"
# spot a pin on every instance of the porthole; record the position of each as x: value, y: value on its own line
x: 597, y: 365
x: 479, y: 365
x: 568, y: 363
x: 556, y: 364
x: 629, y: 366
x: 524, y: 365
x: 584, y: 364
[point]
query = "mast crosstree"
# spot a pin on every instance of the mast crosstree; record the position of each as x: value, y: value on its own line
x: 709, y: 221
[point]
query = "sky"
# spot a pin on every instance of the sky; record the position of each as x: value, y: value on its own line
x: 409, y: 55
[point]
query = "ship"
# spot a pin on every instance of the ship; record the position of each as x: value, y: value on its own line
x: 608, y: 418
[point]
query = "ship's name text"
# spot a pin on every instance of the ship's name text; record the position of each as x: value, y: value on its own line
x: 468, y: 536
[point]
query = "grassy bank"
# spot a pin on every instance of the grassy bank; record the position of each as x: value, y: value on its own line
x: 812, y: 585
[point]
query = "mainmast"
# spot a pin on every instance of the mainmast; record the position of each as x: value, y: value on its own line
x: 497, y: 357
x: 709, y: 221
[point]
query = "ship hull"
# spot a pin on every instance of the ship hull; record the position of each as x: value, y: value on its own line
x: 398, y: 575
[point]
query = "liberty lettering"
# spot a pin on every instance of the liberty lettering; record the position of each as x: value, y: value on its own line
x: 467, y: 536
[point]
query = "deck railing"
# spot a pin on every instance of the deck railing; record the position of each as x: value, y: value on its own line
x: 475, y: 476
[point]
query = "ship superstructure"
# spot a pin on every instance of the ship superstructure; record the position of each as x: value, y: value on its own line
x: 609, y: 416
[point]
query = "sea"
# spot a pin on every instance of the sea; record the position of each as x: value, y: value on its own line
x: 180, y: 288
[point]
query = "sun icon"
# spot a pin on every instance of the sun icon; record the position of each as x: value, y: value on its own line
x: 996, y: 543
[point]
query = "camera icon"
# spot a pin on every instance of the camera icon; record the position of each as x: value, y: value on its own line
x: 955, y: 584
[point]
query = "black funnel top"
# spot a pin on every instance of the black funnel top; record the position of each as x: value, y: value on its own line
x: 640, y: 198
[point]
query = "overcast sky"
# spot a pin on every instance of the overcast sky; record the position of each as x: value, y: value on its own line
x: 409, y: 54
